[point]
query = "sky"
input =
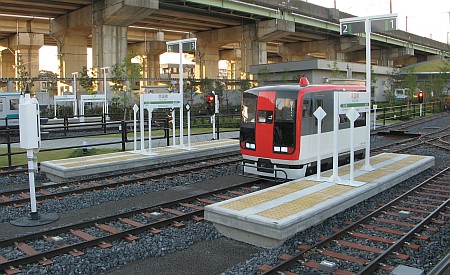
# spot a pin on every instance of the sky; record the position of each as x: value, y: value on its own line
x: 431, y: 20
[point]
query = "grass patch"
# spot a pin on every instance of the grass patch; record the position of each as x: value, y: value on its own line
x: 21, y: 159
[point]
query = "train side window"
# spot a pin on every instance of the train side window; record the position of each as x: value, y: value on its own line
x: 1, y: 105
x: 265, y: 116
x: 305, y: 107
x: 14, y: 104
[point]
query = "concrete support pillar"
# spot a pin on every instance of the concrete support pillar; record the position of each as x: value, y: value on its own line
x: 8, y: 64
x: 234, y: 57
x: 254, y: 52
x: 71, y: 32
x: 207, y: 64
x: 109, y: 35
x: 109, y: 45
x: 26, y: 50
x: 150, y: 51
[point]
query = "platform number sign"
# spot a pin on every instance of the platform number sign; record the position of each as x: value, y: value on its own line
x: 377, y: 25
x: 188, y: 47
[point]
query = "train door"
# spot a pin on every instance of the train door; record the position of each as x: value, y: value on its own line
x: 264, y: 122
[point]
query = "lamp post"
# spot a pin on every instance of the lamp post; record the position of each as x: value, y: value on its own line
x: 105, y: 108
x: 75, y: 106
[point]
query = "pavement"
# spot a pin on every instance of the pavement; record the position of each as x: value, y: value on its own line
x: 94, y: 142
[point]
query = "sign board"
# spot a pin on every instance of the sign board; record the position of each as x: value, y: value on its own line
x: 358, y: 100
x: 188, y: 47
x: 92, y: 98
x: 167, y: 100
x: 355, y: 26
x: 64, y: 98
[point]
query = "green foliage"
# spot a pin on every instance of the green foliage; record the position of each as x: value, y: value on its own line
x: 244, y: 85
x: 264, y: 75
x: 335, y: 71
x: 87, y: 80
x: 206, y: 85
x: 411, y: 82
x: 391, y: 84
x: 22, y: 72
x: 52, y: 81
x: 190, y: 89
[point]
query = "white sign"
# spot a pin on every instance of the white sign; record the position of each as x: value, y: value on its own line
x: 163, y: 100
x: 64, y: 98
x: 358, y: 100
x: 91, y: 98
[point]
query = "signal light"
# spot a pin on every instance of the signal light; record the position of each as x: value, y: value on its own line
x: 211, y: 104
x: 420, y: 97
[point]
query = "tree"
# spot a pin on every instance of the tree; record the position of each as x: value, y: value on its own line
x: 22, y: 72
x: 87, y: 80
x: 220, y: 91
x: 335, y: 72
x: 410, y: 82
x: 52, y: 81
x: 244, y: 85
x: 264, y: 75
x: 190, y: 88
x: 121, y: 74
x: 391, y: 84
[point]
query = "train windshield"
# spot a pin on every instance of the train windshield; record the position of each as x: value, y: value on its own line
x: 248, y: 117
x: 284, y: 123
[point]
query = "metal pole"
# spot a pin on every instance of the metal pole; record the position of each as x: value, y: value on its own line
x: 180, y: 45
x: 75, y: 103
x: 367, y: 166
x: 105, y: 108
x: 30, y: 157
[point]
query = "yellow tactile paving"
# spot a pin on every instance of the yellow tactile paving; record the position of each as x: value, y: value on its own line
x: 84, y: 163
x: 383, y: 171
x: 263, y: 197
x: 112, y: 157
x: 168, y: 151
x: 87, y: 158
x: 287, y: 209
x: 373, y: 160
x: 215, y: 143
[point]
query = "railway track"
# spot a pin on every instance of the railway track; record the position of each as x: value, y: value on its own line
x: 436, y: 138
x: 378, y: 240
x: 127, y: 226
x: 20, y: 197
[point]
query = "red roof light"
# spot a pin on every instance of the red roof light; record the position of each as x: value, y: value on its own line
x: 303, y: 81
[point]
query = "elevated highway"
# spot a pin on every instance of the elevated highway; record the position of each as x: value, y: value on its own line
x: 243, y: 32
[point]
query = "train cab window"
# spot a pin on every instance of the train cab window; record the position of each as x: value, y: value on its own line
x: 265, y: 116
x: 249, y: 102
x: 305, y: 108
x: 248, y: 119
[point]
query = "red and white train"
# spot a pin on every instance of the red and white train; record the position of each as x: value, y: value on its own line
x: 278, y: 133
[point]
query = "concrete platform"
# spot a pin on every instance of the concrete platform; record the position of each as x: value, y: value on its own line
x: 66, y: 169
x: 269, y: 217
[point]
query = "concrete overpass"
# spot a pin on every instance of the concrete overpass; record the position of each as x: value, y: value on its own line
x: 244, y: 32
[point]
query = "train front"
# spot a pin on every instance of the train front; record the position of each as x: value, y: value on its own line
x: 269, y: 127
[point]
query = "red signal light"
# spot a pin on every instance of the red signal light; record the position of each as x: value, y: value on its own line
x: 420, y: 97
x: 211, y: 104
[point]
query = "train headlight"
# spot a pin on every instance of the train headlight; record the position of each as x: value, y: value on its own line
x: 250, y: 146
x: 283, y: 149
